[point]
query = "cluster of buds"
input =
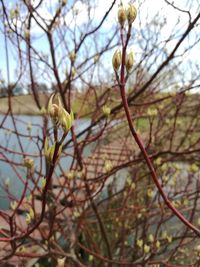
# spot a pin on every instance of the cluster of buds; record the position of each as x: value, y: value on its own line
x: 129, y: 14
x: 125, y: 15
x: 117, y: 59
x: 59, y: 116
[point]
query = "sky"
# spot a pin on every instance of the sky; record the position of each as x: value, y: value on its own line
x: 146, y: 12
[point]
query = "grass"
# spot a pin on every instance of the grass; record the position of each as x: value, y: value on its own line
x: 23, y: 104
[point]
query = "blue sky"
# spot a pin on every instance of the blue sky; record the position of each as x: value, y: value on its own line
x: 146, y: 12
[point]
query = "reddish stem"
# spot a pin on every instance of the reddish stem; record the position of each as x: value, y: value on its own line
x: 143, y: 150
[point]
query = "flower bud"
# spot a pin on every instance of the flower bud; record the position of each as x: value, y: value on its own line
x: 129, y: 61
x: 157, y: 244
x: 59, y: 115
x: 66, y: 119
x: 91, y: 258
x: 43, y: 182
x: 116, y: 60
x: 26, y: 34
x: 13, y: 205
x: 64, y: 2
x: 28, y: 163
x: 28, y: 218
x: 73, y: 72
x: 106, y: 110
x: 121, y: 16
x: 61, y: 262
x: 108, y: 166
x: 131, y: 13
x: 72, y: 56
x: 146, y: 249
x: 7, y: 182
x: 53, y: 108
x: 151, y: 238
x: 139, y: 243
x: 54, y: 111
x: 49, y: 150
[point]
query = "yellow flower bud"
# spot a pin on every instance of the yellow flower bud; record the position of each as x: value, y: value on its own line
x: 193, y: 168
x: 70, y: 174
x: 28, y: 163
x: 12, y: 13
x: 26, y: 34
x: 150, y: 193
x: 157, y: 244
x: 131, y: 13
x: 72, y: 56
x: 121, y: 16
x: 91, y: 258
x: 146, y: 249
x: 139, y: 243
x: 96, y: 58
x: 129, y: 180
x: 116, y: 60
x: 43, y: 182
x: 133, y: 186
x: 66, y: 119
x: 129, y: 61
x: 61, y: 262
x: 7, y: 182
x: 151, y: 238
x: 197, y: 248
x: 152, y: 112
x: 13, y: 205
x: 64, y: 2
x: 169, y: 239
x: 49, y: 150
x: 108, y: 166
x: 106, y: 111
x: 28, y: 218
x: 73, y: 72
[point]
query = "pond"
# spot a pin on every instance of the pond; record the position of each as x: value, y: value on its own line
x: 30, y: 130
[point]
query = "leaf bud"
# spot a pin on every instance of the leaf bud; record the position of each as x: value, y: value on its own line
x: 72, y: 56
x: 66, y: 119
x: 106, y: 110
x: 28, y: 163
x: 121, y: 16
x: 64, y: 2
x: 26, y: 34
x: 116, y: 60
x: 129, y: 61
x: 131, y: 13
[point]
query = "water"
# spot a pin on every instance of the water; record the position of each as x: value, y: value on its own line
x: 30, y: 130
